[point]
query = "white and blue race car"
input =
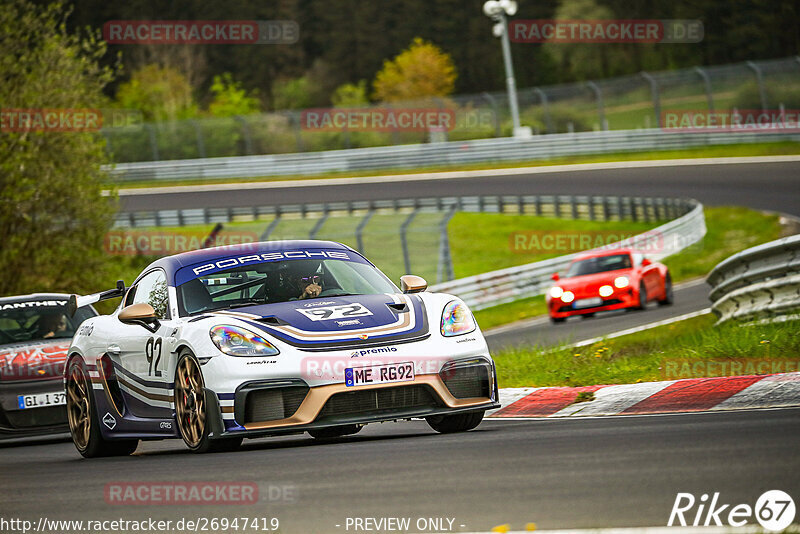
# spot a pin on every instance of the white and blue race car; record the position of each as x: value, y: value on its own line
x: 271, y: 338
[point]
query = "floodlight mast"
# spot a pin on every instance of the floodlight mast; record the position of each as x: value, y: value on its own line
x: 499, y: 10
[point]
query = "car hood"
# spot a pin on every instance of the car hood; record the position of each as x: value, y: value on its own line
x: 38, y: 360
x: 331, y: 322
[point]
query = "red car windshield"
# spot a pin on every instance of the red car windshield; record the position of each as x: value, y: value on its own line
x: 38, y: 320
x: 599, y: 264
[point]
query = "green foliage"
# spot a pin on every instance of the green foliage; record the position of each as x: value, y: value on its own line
x: 292, y: 94
x: 422, y: 70
x: 748, y: 96
x: 160, y: 93
x: 53, y: 214
x: 350, y: 95
x: 231, y: 99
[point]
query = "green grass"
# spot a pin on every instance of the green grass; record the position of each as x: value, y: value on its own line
x: 753, y: 149
x: 650, y: 355
x: 729, y: 230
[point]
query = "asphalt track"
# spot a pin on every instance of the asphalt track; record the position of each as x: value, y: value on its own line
x: 764, y: 186
x: 540, y: 331
x: 604, y: 472
x: 773, y: 186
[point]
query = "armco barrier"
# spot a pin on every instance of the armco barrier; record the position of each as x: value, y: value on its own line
x: 506, y: 285
x: 686, y: 226
x: 435, y: 154
x: 761, y: 281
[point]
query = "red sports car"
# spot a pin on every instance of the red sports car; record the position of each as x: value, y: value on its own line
x: 608, y: 280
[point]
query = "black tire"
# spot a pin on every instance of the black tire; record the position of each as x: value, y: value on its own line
x: 447, y: 424
x: 557, y: 320
x: 642, y: 298
x: 669, y: 294
x: 335, y: 431
x: 84, y: 424
x: 191, y: 412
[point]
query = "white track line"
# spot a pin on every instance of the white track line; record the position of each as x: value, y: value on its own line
x: 641, y: 328
x: 485, y: 173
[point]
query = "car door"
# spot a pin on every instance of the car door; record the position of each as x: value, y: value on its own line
x: 650, y: 275
x: 140, y: 350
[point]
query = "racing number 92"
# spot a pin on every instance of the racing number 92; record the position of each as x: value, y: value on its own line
x: 152, y: 351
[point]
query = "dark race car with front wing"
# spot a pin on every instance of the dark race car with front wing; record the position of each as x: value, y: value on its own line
x: 221, y: 344
x: 35, y: 333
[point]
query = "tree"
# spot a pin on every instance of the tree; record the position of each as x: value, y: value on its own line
x: 53, y: 212
x: 584, y: 61
x: 230, y: 99
x: 423, y: 70
x: 350, y: 95
x: 160, y: 93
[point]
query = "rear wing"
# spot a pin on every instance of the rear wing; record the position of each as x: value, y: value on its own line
x: 78, y: 301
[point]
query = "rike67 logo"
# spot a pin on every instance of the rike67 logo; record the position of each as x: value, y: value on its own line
x: 774, y: 511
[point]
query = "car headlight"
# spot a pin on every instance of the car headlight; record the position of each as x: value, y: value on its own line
x: 568, y: 296
x: 556, y: 292
x: 621, y: 281
x: 236, y: 341
x: 606, y: 291
x: 457, y: 319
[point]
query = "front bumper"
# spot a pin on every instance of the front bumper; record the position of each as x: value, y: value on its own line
x: 30, y: 421
x: 273, y: 407
x: 620, y: 300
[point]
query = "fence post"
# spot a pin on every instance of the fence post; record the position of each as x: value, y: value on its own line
x: 707, y: 84
x: 318, y: 226
x: 404, y: 239
x: 201, y: 147
x: 151, y: 131
x: 444, y: 271
x: 360, y: 230
x: 295, y: 122
x: 760, y: 80
x: 498, y: 132
x: 248, y: 140
x: 656, y: 96
x: 545, y: 109
x: 271, y: 226
x: 601, y: 115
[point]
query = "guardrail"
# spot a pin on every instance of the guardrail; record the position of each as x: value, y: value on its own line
x: 435, y: 154
x: 686, y: 226
x: 513, y: 283
x: 761, y: 281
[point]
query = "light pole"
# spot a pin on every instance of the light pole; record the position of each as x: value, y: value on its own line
x: 498, y: 10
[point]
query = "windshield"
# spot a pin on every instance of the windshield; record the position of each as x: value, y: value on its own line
x: 599, y: 265
x: 280, y: 281
x: 39, y: 320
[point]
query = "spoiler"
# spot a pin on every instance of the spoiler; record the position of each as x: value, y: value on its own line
x: 78, y: 301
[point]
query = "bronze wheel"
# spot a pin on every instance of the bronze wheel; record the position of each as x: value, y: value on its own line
x: 190, y: 401
x: 78, y: 410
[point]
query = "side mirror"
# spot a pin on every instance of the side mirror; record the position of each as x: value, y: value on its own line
x: 410, y: 283
x: 646, y: 262
x: 554, y: 277
x: 142, y: 314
